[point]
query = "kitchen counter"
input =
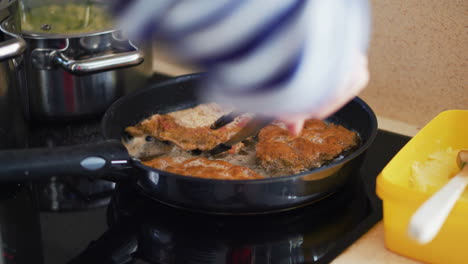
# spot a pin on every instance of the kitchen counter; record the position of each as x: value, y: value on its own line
x: 370, y: 247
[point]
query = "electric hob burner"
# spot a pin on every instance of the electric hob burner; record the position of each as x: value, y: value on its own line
x: 143, y: 229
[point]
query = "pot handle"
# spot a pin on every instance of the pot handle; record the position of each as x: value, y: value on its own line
x: 12, y: 47
x: 92, y: 160
x: 97, y: 64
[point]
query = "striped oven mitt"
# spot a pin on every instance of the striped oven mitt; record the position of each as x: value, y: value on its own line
x: 293, y: 59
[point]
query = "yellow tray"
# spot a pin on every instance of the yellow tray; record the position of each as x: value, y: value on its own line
x: 448, y: 129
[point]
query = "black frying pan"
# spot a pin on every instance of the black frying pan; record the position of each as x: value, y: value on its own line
x: 110, y: 158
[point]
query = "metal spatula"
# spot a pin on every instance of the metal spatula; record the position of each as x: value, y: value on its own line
x: 250, y: 129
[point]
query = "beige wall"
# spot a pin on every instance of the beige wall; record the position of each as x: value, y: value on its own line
x: 418, y: 59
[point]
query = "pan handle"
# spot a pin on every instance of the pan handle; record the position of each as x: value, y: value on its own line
x: 90, y: 160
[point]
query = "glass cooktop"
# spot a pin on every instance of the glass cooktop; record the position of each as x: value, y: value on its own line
x: 78, y: 222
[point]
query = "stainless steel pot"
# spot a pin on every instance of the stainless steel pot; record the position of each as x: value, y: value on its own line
x: 12, y: 119
x: 78, y: 76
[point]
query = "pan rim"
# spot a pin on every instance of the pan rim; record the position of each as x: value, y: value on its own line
x: 366, y: 108
x: 342, y: 162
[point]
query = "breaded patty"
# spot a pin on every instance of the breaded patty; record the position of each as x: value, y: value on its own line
x: 203, y: 168
x: 189, y: 129
x: 319, y: 142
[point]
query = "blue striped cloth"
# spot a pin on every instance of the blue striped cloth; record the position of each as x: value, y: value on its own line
x: 265, y: 56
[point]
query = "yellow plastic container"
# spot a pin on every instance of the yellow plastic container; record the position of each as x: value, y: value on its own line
x: 448, y: 129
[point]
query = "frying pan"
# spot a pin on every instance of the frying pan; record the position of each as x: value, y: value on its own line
x: 110, y: 159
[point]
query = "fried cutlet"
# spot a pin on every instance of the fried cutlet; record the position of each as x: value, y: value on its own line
x: 203, y: 168
x: 319, y: 142
x: 189, y: 129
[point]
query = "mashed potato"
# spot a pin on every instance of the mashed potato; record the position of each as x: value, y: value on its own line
x: 433, y: 173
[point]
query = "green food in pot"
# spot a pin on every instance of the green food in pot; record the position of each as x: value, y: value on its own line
x: 65, y: 19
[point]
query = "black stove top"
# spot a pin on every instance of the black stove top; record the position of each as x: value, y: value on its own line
x: 64, y: 221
